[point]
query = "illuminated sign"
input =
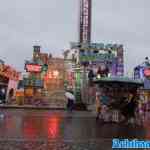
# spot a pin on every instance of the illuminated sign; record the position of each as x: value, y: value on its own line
x: 33, y: 68
x: 147, y: 72
x: 97, y: 57
x: 98, y: 46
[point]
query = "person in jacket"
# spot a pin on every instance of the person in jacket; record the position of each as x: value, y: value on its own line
x: 98, y: 105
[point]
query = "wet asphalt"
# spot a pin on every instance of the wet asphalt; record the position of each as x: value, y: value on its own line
x: 61, y: 130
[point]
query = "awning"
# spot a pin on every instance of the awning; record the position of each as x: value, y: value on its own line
x: 119, y: 80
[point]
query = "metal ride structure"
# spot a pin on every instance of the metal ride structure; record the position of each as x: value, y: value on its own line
x: 85, y: 21
x: 88, y: 53
x: 84, y: 38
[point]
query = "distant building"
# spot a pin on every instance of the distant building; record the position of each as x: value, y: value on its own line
x: 54, y: 78
x: 46, y: 73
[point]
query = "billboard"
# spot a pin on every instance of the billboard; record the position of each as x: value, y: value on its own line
x: 97, y: 57
x: 95, y: 46
x: 33, y: 68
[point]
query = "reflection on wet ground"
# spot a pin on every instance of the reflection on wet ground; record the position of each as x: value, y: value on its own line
x: 61, y: 130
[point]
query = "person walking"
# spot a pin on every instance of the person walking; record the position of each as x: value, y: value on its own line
x: 90, y: 77
x: 98, y: 105
x: 70, y: 100
x: 129, y: 110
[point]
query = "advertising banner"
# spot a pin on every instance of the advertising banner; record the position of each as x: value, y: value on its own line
x: 97, y: 57
x: 95, y: 46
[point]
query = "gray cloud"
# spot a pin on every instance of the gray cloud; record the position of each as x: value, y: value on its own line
x: 53, y: 24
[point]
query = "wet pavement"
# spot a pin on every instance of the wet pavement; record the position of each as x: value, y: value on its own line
x: 61, y: 130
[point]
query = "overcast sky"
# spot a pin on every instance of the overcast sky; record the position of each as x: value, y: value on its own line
x: 54, y: 23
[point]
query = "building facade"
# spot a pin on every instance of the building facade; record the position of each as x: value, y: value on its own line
x: 9, y: 79
x: 46, y: 76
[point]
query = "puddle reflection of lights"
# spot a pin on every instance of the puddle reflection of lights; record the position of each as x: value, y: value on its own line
x: 53, y: 127
x: 30, y: 128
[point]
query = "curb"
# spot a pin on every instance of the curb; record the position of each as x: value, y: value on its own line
x: 36, y: 108
x: 31, y: 107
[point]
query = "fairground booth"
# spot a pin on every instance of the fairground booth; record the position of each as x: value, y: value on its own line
x: 118, y: 90
x: 9, y: 78
x: 142, y: 72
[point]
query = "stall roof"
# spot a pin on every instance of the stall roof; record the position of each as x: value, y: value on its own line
x: 125, y: 80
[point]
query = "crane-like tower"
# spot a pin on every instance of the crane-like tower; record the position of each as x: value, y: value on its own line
x: 85, y: 21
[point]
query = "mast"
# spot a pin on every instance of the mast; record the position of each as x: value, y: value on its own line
x: 85, y: 21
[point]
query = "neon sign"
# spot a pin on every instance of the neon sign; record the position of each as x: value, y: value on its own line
x: 33, y: 68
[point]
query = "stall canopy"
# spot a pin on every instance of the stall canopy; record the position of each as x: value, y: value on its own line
x: 119, y: 80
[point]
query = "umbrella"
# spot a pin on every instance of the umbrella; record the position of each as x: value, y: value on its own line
x: 70, y: 95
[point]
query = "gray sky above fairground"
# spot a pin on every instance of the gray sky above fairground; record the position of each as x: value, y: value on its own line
x: 54, y: 23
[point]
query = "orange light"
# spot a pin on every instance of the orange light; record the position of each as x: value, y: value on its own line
x: 50, y: 76
x: 55, y: 73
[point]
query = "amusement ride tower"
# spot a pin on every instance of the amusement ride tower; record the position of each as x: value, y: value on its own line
x: 85, y: 21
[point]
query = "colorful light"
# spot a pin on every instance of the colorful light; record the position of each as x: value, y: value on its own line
x: 147, y: 72
x: 55, y: 73
x: 53, y: 127
x: 33, y: 68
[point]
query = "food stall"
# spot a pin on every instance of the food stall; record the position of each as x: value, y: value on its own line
x: 118, y: 90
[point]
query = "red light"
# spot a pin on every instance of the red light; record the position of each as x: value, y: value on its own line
x: 30, y: 128
x: 53, y: 127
